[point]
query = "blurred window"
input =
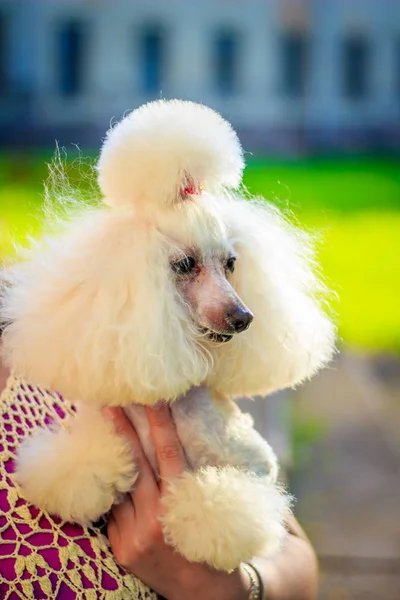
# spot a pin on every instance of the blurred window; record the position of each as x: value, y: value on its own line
x: 71, y: 54
x: 226, y: 62
x: 293, y: 56
x: 355, y: 67
x: 4, y: 54
x: 152, y: 60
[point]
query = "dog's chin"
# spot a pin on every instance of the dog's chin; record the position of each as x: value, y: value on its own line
x: 216, y: 338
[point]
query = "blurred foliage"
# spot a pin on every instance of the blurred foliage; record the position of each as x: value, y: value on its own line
x: 306, y: 433
x: 355, y: 203
x: 323, y: 185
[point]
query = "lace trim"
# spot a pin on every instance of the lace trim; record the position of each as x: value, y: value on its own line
x: 40, y: 555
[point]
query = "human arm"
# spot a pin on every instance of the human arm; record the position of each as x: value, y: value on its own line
x: 137, y: 541
x: 291, y: 574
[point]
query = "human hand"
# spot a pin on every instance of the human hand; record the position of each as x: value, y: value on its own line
x: 134, y: 527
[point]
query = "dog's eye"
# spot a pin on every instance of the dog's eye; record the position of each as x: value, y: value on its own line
x: 230, y: 264
x: 184, y: 266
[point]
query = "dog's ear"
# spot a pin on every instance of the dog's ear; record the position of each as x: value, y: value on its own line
x: 166, y: 152
x: 95, y: 315
x: 291, y: 337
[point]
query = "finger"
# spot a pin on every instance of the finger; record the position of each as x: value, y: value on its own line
x: 113, y: 532
x: 145, y: 485
x: 170, y: 456
x: 121, y: 520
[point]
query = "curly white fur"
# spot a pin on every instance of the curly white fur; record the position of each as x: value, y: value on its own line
x: 76, y: 471
x: 105, y: 288
x: 291, y: 337
x: 107, y: 292
x: 95, y: 313
x: 223, y: 516
x: 164, y: 145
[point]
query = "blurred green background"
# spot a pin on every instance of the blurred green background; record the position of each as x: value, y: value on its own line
x: 352, y: 204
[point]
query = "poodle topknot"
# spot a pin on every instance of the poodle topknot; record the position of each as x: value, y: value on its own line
x: 163, y: 148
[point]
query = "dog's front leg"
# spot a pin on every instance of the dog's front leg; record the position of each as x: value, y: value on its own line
x: 228, y: 509
x: 78, y: 469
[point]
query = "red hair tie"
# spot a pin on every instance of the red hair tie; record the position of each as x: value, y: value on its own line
x: 191, y: 189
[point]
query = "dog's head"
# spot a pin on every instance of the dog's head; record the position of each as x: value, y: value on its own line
x: 156, y: 290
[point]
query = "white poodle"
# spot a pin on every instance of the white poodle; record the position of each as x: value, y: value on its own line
x: 177, y: 288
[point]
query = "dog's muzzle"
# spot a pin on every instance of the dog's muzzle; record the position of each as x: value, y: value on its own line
x: 217, y: 338
x: 237, y: 321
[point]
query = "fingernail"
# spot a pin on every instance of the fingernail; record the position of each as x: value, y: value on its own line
x: 159, y: 411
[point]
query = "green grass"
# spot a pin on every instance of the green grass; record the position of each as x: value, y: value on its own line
x: 324, y: 185
x: 361, y: 259
x: 356, y: 204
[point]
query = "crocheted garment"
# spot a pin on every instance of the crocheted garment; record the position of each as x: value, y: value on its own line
x: 42, y: 557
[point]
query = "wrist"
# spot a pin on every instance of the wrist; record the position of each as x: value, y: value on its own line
x: 211, y: 584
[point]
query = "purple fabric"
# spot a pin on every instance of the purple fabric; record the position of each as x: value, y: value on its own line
x: 13, y: 538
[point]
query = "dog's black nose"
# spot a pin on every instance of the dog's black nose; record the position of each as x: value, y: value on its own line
x: 239, y: 319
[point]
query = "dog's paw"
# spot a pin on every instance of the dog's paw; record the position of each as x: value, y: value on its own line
x: 223, y: 516
x: 73, y: 474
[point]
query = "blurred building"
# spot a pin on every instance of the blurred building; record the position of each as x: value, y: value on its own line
x: 289, y: 74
